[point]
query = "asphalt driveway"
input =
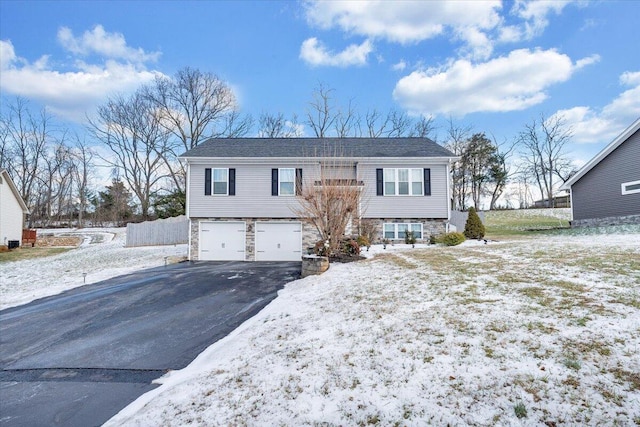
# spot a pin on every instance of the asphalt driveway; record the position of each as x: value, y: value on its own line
x: 77, y: 358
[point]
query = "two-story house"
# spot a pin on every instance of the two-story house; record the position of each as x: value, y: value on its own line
x: 242, y: 192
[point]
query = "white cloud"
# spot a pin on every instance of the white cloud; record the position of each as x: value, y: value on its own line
x: 400, y: 66
x: 630, y: 78
x: 314, y: 53
x: 478, y: 25
x: 592, y: 126
x: 535, y: 14
x: 581, y: 63
x: 103, y: 43
x: 410, y: 21
x: 77, y: 91
x: 514, y: 82
x: 7, y: 55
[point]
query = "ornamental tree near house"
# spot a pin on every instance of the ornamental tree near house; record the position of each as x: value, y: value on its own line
x: 330, y: 203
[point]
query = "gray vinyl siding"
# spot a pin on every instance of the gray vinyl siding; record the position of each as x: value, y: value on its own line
x: 253, y: 190
x: 433, y: 206
x: 598, y: 193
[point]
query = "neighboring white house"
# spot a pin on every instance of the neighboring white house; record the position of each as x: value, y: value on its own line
x: 242, y: 193
x: 606, y: 190
x: 12, y: 210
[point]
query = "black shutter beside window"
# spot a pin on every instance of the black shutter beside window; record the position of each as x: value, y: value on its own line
x: 232, y: 182
x: 207, y: 181
x: 298, y: 182
x: 427, y: 182
x: 274, y: 182
x: 379, y: 182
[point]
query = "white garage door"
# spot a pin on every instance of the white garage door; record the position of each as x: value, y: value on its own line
x: 278, y: 241
x: 222, y: 241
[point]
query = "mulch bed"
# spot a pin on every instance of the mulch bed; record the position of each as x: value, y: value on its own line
x: 57, y: 241
x: 343, y: 258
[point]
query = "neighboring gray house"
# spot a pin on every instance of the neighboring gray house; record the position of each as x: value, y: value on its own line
x: 12, y: 210
x: 606, y: 190
x: 241, y: 192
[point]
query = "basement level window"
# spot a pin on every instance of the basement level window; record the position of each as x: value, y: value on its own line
x: 630, y: 187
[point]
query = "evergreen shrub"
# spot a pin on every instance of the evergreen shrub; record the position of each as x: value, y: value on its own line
x: 473, y: 229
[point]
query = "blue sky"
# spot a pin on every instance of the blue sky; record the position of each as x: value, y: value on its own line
x: 492, y: 65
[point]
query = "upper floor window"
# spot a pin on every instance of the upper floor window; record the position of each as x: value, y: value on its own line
x: 286, y: 181
x: 630, y: 187
x: 403, y: 182
x: 219, y: 181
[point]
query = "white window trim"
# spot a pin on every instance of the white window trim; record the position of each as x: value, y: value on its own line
x: 280, y: 181
x: 395, y: 229
x: 396, y: 182
x: 213, y: 182
x: 624, y: 186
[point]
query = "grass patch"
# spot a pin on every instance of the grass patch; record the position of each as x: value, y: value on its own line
x: 396, y: 260
x: 21, y: 253
x: 633, y: 378
x: 520, y: 222
x: 520, y: 410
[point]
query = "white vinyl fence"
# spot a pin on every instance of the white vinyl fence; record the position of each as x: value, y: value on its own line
x: 459, y: 219
x: 168, y: 231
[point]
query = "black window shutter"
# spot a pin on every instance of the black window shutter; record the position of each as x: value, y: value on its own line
x: 232, y: 182
x: 298, y: 182
x: 207, y: 181
x: 427, y: 182
x: 379, y: 183
x: 274, y: 182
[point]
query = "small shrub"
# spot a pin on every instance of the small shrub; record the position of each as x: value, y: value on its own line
x: 363, y: 241
x: 473, y: 229
x: 351, y: 247
x: 433, y: 240
x: 409, y: 238
x: 453, y: 239
x: 369, y: 229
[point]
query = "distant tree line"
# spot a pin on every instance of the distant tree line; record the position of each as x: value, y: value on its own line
x: 140, y: 136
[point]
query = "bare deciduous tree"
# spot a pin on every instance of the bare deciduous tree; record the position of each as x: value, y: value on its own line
x: 193, y: 106
x: 321, y: 112
x: 83, y: 156
x: 347, y: 122
x: 131, y: 129
x: 543, y: 144
x: 375, y: 125
x: 27, y: 136
x: 457, y: 140
x: 423, y: 128
x: 276, y: 126
x: 399, y: 122
x: 332, y: 201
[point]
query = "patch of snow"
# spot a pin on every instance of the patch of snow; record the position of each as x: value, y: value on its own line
x: 101, y: 255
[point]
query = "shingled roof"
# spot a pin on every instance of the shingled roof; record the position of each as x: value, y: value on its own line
x: 318, y: 147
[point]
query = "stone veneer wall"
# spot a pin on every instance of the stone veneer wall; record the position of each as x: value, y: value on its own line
x: 309, y: 234
x: 430, y: 227
x: 612, y: 220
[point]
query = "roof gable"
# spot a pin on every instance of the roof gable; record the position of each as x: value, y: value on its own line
x: 14, y: 190
x: 602, y: 154
x: 318, y: 147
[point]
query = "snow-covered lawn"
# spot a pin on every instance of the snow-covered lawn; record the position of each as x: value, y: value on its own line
x: 542, y: 331
x: 101, y: 255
